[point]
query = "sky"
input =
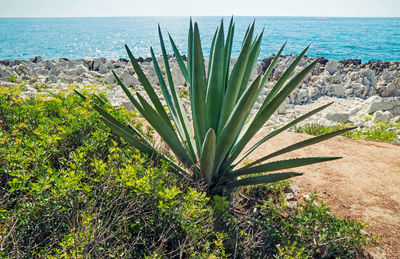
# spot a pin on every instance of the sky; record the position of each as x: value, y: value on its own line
x: 100, y: 8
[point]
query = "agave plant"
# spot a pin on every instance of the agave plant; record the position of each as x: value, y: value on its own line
x: 213, y: 145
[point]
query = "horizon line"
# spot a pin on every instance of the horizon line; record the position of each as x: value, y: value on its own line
x: 289, y: 16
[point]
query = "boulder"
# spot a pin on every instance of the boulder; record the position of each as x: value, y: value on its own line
x: 5, y: 62
x: 376, y: 103
x: 81, y: 69
x: 23, y: 69
x: 338, y: 90
x: 43, y: 72
x: 396, y: 111
x: 129, y: 80
x: 266, y: 62
x: 97, y: 62
x: 5, y: 73
x: 349, y: 62
x: 338, y: 117
x: 36, y: 59
x: 103, y: 69
x: 380, y: 116
x: 109, y: 79
x: 332, y: 66
x: 348, y: 92
x: 368, y: 77
x: 313, y: 92
x: 52, y: 79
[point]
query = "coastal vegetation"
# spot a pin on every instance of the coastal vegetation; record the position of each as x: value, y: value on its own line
x: 386, y: 131
x: 71, y: 188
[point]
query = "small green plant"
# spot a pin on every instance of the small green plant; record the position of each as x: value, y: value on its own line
x: 13, y: 78
x: 382, y: 131
x: 311, y: 231
x: 221, y: 103
x: 183, y: 94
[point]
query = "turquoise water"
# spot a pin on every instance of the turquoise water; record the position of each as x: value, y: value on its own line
x: 334, y: 38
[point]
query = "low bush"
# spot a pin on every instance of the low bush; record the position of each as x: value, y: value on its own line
x: 382, y: 131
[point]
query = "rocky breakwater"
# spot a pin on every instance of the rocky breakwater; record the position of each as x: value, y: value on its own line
x: 356, y: 88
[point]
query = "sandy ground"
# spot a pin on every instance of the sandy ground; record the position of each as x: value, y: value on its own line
x: 363, y: 185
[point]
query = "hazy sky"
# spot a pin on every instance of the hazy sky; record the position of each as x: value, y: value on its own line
x: 83, y: 8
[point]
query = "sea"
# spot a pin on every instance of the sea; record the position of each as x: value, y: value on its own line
x: 368, y: 39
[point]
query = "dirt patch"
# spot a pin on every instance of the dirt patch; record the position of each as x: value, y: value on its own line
x: 363, y: 185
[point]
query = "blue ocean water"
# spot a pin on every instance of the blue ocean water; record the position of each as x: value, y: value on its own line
x: 333, y: 38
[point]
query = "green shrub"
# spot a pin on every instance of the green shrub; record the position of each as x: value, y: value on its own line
x: 70, y: 188
x: 13, y: 78
x: 305, y: 230
x: 382, y: 131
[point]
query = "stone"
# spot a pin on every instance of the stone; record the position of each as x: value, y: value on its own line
x: 81, y: 69
x: 332, y: 66
x: 23, y: 69
x: 376, y: 103
x: 5, y: 73
x: 358, y: 89
x: 348, y: 62
x: 129, y: 80
x: 348, y: 92
x: 302, y: 96
x: 380, y: 116
x: 289, y: 197
x: 5, y: 62
x: 355, y: 109
x: 293, y: 188
x: 103, y: 69
x: 387, y: 77
x: 97, y: 62
x: 313, y: 92
x: 369, y: 78
x: 338, y: 90
x: 36, y: 59
x: 43, y: 72
x: 109, y: 79
x: 52, y: 79
x: 396, y: 111
x: 266, y: 62
x: 338, y: 117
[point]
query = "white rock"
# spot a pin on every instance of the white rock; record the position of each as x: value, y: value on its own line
x: 103, y: 68
x: 109, y: 79
x: 355, y: 109
x: 313, y: 92
x: 338, y: 117
x: 348, y: 92
x: 387, y: 76
x: 129, y: 80
x: 5, y: 73
x: 332, y: 66
x: 396, y: 111
x: 338, y: 90
x: 52, y: 79
x: 380, y: 116
x: 376, y: 103
x: 389, y: 114
x: 81, y: 69
x: 369, y: 78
